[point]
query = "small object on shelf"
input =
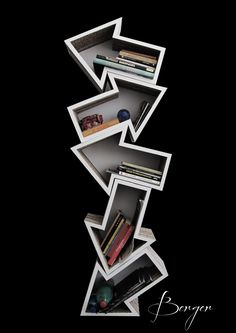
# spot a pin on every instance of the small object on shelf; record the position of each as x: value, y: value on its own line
x: 119, y: 244
x: 128, y: 63
x: 123, y: 115
x: 91, y: 121
x: 104, y: 295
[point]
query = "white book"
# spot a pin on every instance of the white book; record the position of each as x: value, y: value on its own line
x: 148, y: 180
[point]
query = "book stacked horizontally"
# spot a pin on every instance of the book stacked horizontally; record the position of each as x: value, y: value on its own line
x: 132, y: 62
x: 117, y: 236
x: 138, y: 172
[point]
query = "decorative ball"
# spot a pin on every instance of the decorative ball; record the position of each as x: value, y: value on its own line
x: 123, y: 115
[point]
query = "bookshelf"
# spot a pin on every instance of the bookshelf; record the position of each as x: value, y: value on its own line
x: 106, y: 40
x: 130, y: 306
x: 126, y: 172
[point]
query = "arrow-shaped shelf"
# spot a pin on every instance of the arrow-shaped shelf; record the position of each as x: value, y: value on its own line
x: 120, y: 93
x: 147, y: 260
x: 106, y: 40
x: 132, y: 200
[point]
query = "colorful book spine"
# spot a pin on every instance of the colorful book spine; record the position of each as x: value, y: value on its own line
x: 123, y: 68
x: 126, y: 63
x: 112, y: 228
x: 119, y: 236
x: 144, y: 111
x: 114, y: 235
x: 120, y: 246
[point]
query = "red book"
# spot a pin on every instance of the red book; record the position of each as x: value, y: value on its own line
x: 120, y: 235
x: 120, y: 246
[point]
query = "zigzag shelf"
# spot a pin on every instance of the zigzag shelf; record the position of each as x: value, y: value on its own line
x: 104, y: 150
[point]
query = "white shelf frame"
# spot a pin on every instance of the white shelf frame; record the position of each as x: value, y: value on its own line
x: 99, y: 83
x: 122, y: 127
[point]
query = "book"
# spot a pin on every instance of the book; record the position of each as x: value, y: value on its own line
x: 100, y: 127
x: 144, y: 179
x: 121, y: 220
x: 138, y: 57
x: 140, y: 167
x: 126, y: 63
x: 144, y: 108
x: 133, y: 176
x: 125, y: 68
x: 130, y: 285
x: 138, y: 54
x: 119, y: 247
x: 119, y: 236
x: 112, y: 227
x: 147, y: 67
x: 139, y: 173
x: 127, y: 250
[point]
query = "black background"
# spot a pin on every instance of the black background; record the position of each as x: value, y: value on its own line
x: 182, y: 216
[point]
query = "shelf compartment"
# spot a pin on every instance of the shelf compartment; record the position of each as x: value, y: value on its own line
x: 94, y: 155
x: 120, y: 93
x: 147, y: 259
x: 124, y: 197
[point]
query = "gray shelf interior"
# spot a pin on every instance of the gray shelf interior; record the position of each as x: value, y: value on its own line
x: 130, y: 97
x: 111, y: 154
x: 142, y: 262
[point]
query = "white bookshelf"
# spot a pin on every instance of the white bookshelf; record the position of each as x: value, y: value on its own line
x: 107, y: 148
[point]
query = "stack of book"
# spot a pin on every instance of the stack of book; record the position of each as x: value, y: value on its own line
x: 138, y: 172
x: 117, y: 236
x: 132, y: 62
